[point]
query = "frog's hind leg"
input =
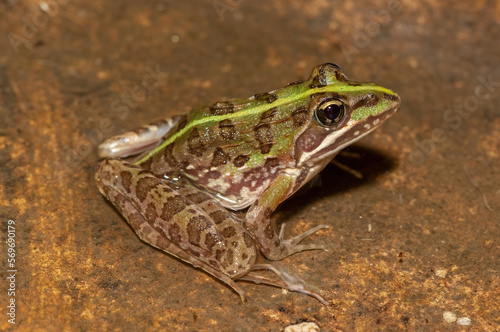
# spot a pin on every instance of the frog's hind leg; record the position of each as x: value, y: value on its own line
x: 286, y: 281
x: 139, y: 211
x: 136, y: 141
x: 146, y: 233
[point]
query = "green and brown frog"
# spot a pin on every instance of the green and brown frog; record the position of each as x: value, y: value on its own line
x: 193, y: 171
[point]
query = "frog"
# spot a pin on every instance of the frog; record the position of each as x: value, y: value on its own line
x: 203, y: 186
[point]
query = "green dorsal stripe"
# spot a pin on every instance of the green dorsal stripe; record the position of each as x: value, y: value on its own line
x: 261, y: 109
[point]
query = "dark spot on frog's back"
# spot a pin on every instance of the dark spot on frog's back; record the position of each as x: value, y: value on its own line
x: 265, y: 148
x: 226, y: 129
x: 266, y: 96
x: 300, y: 117
x: 263, y: 132
x: 195, y: 143
x: 219, y: 158
x: 241, y: 160
x: 267, y: 116
x: 221, y: 108
x: 264, y: 136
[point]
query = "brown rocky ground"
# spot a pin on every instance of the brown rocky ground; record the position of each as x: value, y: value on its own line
x: 412, y: 243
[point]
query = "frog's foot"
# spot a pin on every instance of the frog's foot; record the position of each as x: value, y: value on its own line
x: 291, y: 246
x: 136, y: 141
x: 286, y: 282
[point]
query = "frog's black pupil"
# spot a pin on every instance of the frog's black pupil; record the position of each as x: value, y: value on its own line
x: 332, y: 112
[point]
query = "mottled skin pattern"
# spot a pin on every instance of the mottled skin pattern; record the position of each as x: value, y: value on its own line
x: 240, y: 153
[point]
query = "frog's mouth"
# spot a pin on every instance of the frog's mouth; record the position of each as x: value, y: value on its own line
x: 320, y: 143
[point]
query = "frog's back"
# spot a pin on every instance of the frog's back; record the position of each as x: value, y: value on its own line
x: 236, y: 147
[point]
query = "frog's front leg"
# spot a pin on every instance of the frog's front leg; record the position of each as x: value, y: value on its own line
x: 181, y: 221
x: 258, y: 218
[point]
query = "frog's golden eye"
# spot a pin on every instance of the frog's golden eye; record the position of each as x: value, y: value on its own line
x: 330, y: 112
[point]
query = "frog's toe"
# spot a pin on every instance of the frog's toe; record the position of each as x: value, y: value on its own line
x: 286, y: 281
x: 296, y: 240
x: 299, y: 248
x: 291, y: 246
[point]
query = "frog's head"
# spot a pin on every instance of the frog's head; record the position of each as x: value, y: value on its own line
x: 341, y: 112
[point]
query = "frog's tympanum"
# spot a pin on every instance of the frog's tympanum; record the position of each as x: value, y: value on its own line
x: 193, y: 170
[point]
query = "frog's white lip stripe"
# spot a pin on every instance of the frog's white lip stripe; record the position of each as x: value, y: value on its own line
x: 328, y: 142
x: 369, y: 126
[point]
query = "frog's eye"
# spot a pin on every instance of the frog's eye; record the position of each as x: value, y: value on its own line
x: 330, y: 112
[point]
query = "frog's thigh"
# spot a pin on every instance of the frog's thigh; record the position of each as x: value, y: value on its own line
x: 136, y: 141
x: 150, y: 235
x: 183, y: 222
x: 262, y: 227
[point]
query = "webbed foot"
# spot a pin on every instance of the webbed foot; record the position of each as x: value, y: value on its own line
x: 287, y: 281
